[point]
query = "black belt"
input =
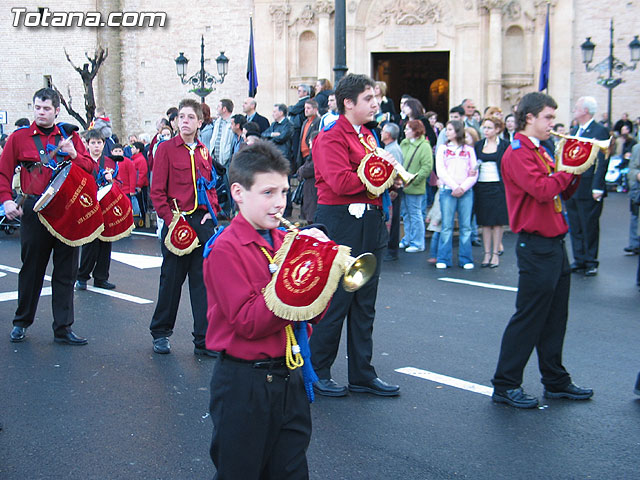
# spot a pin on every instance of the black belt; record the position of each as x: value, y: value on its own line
x: 535, y: 235
x: 270, y: 363
x: 370, y: 206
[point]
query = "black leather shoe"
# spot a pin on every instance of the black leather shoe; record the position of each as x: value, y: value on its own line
x: 70, y: 338
x: 81, y: 285
x: 205, y: 351
x: 329, y: 388
x: 577, y: 268
x: 104, y: 284
x: 161, y: 345
x: 591, y: 272
x: 18, y: 334
x: 571, y: 391
x: 377, y: 387
x: 516, y: 397
x: 476, y: 243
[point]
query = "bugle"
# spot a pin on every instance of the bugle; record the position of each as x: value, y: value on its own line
x: 357, y: 270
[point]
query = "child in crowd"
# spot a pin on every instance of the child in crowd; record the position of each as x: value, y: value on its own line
x: 259, y: 408
x: 434, y: 221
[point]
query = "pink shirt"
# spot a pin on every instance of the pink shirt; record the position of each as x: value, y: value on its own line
x: 455, y: 164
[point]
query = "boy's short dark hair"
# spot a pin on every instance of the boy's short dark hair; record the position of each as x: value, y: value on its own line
x: 194, y: 104
x: 48, y: 94
x: 117, y: 145
x: 252, y: 128
x: 532, y: 103
x: 93, y: 134
x: 349, y: 87
x: 139, y: 146
x: 261, y: 157
x: 22, y: 122
x: 457, y: 109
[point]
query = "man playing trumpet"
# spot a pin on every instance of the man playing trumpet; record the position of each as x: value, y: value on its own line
x: 533, y: 193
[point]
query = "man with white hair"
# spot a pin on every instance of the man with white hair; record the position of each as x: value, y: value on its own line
x: 585, y: 206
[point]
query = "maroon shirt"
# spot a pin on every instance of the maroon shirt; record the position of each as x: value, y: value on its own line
x: 337, y: 152
x: 172, y: 177
x: 235, y: 272
x: 21, y: 147
x: 141, y: 170
x: 530, y: 190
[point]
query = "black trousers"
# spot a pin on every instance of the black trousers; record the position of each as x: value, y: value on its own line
x: 584, y: 220
x: 173, y: 273
x: 394, y: 231
x: 142, y: 197
x: 261, y: 422
x: 540, y: 321
x: 95, y: 259
x: 36, y: 245
x: 366, y: 234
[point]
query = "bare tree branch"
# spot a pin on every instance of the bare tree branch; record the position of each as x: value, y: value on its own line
x: 67, y: 106
x: 87, y: 75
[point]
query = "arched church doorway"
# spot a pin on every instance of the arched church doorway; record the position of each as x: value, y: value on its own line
x: 423, y: 75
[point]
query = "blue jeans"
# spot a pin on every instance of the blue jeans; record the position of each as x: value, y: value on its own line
x: 433, y: 246
x: 449, y: 205
x: 413, y: 221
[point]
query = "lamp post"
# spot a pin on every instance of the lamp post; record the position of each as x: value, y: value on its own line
x: 202, y: 81
x: 611, y: 63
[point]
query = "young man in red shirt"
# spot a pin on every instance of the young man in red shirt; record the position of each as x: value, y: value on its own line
x: 175, y: 163
x: 542, y: 303
x: 27, y: 148
x: 354, y: 218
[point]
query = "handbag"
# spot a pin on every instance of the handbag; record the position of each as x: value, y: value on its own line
x: 298, y: 193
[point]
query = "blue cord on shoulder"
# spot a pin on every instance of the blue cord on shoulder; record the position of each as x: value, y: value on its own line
x: 329, y: 126
x: 209, y: 245
x: 515, y: 144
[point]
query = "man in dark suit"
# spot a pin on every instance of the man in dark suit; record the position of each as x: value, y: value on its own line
x: 585, y: 207
x: 249, y: 109
x: 310, y: 125
x: 296, y: 115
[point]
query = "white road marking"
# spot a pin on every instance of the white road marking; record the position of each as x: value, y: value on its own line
x: 478, y: 284
x: 138, y: 261
x: 121, y: 296
x: 9, y: 269
x: 145, y: 234
x: 452, y: 382
x: 2, y: 274
x: 8, y: 296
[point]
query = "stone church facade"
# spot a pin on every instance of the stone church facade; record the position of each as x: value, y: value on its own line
x: 439, y: 51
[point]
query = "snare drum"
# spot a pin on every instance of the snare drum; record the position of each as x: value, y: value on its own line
x: 69, y: 207
x: 116, y: 212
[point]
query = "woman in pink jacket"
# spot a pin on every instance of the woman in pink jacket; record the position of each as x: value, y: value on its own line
x: 457, y: 172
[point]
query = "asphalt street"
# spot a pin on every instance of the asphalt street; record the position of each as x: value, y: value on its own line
x: 115, y: 410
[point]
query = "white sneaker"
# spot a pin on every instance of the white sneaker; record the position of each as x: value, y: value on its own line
x: 414, y: 249
x: 468, y: 266
x: 441, y: 265
x: 402, y: 245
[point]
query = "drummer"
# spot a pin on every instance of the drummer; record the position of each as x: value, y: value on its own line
x: 96, y: 255
x: 27, y: 148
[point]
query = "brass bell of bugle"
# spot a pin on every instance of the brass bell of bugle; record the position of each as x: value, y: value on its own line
x: 358, y: 271
x: 406, y: 177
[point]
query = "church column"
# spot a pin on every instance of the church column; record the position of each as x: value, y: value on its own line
x: 494, y: 72
x: 324, y: 9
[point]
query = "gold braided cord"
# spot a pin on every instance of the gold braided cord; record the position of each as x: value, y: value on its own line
x: 193, y: 175
x: 293, y: 361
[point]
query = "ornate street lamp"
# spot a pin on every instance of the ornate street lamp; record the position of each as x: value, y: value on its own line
x: 202, y: 81
x: 611, y: 63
